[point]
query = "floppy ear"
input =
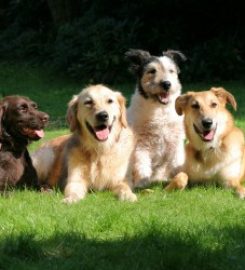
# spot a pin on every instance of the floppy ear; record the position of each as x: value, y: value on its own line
x: 181, y: 102
x: 1, y: 117
x: 123, y: 115
x: 224, y: 96
x: 137, y: 59
x: 176, y: 56
x: 71, y: 115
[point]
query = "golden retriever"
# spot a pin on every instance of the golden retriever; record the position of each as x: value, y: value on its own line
x: 97, y: 154
x: 215, y: 149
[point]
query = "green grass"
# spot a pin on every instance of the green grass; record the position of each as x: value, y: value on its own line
x: 199, y: 228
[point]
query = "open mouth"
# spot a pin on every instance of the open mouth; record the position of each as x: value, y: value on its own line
x: 100, y: 132
x: 206, y: 135
x: 163, y: 97
x: 34, y: 134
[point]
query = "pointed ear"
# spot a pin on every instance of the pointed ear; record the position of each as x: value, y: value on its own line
x: 224, y: 96
x: 137, y: 59
x: 181, y: 103
x: 71, y: 115
x: 123, y: 114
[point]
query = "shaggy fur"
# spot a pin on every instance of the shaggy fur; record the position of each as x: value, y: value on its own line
x: 97, y: 154
x: 20, y: 123
x: 215, y: 151
x: 160, y: 135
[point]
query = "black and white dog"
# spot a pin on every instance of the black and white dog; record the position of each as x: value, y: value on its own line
x: 159, y: 152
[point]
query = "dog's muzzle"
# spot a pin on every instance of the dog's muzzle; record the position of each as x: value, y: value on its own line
x: 207, y: 132
x: 102, y: 130
x: 163, y: 97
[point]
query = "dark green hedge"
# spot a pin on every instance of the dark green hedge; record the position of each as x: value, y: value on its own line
x: 87, y: 39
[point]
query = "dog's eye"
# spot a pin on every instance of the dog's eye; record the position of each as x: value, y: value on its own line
x: 110, y: 101
x: 214, y: 105
x: 195, y: 106
x: 23, y: 108
x: 171, y: 71
x: 152, y: 71
x: 34, y: 106
x: 88, y: 102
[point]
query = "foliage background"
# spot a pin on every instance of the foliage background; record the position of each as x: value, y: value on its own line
x: 87, y: 39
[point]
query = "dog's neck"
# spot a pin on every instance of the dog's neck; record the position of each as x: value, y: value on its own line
x: 7, y: 144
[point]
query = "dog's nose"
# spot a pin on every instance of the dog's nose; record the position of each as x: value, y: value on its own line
x: 166, y: 85
x: 102, y: 116
x: 207, y: 123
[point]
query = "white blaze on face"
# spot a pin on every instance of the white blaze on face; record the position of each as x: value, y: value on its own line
x: 171, y: 73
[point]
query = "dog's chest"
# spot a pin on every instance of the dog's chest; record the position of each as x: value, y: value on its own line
x: 206, y: 166
x: 106, y: 171
x: 12, y: 168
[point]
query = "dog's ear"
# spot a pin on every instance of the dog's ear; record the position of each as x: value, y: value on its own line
x: 137, y: 59
x: 123, y: 114
x: 181, y: 103
x: 1, y: 118
x: 176, y: 56
x: 224, y: 96
x: 71, y: 115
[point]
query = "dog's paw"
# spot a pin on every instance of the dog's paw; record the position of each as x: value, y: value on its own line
x: 71, y: 199
x: 241, y: 193
x: 179, y: 182
x: 128, y: 196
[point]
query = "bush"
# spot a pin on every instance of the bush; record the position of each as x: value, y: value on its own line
x: 94, y: 49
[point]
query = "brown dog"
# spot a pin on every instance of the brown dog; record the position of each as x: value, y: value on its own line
x: 20, y: 123
x: 98, y: 153
x: 215, y: 150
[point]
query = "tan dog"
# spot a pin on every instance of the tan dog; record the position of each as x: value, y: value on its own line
x: 97, y: 154
x: 215, y: 151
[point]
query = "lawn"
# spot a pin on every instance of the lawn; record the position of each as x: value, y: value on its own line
x: 199, y: 228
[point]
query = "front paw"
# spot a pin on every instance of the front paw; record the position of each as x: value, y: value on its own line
x: 127, y: 196
x: 71, y: 199
x: 180, y: 181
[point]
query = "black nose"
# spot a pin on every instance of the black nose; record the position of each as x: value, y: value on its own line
x: 207, y: 123
x: 166, y: 85
x: 102, y: 116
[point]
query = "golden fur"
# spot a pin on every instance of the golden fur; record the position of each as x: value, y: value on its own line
x: 215, y: 153
x: 97, y: 154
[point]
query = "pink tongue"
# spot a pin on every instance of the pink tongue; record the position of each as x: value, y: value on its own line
x: 39, y: 133
x: 163, y: 97
x: 102, y: 134
x: 208, y: 135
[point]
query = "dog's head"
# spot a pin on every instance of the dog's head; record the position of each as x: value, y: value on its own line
x: 206, y: 116
x: 98, y: 111
x: 20, y: 119
x: 157, y: 76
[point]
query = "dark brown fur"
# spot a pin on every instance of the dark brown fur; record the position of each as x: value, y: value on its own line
x: 20, y: 123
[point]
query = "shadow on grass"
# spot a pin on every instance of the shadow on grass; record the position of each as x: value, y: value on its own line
x: 151, y: 251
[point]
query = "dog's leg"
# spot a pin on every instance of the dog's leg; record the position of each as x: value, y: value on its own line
x: 74, y: 192
x: 124, y: 192
x: 237, y: 187
x: 142, y: 170
x: 180, y: 181
x: 76, y: 187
